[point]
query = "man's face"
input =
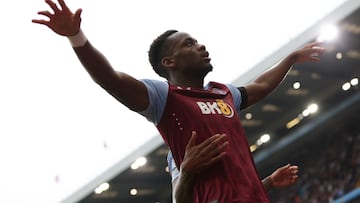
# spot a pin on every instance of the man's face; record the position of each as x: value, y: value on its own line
x: 188, y: 55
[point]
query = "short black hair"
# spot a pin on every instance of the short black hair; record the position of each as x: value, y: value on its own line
x: 157, y: 52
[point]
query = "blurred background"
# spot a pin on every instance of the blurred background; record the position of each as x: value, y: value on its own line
x: 64, y: 139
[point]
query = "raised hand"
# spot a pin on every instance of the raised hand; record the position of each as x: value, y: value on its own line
x: 61, y: 20
x: 284, y: 176
x: 310, y: 52
x: 199, y: 157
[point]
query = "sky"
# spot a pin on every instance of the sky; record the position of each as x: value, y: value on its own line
x: 59, y: 129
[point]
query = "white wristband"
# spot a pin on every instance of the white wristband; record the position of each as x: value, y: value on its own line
x: 78, y: 40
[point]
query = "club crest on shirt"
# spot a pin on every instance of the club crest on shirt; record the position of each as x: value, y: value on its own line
x: 218, y: 107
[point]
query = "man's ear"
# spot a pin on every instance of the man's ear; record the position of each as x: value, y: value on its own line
x: 168, y: 62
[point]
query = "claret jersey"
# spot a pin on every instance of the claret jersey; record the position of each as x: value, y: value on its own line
x: 210, y: 111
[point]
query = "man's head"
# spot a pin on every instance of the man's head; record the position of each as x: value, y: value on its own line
x: 159, y: 49
x: 178, y: 51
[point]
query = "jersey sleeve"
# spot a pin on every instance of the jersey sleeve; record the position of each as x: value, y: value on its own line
x: 174, y: 172
x: 239, y: 96
x: 157, y: 92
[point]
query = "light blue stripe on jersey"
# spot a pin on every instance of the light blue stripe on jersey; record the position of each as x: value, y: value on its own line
x: 236, y: 96
x: 174, y: 172
x: 158, y: 92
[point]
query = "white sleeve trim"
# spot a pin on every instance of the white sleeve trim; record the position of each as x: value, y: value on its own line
x: 78, y: 40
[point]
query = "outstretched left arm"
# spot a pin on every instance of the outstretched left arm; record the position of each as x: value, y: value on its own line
x: 268, y: 81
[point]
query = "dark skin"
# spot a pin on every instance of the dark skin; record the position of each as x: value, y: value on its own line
x: 197, y: 159
x: 186, y: 62
x: 189, y: 61
x: 202, y: 156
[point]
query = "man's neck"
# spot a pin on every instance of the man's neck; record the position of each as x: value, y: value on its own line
x: 186, y: 81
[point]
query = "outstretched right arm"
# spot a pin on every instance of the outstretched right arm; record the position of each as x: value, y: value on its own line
x: 126, y: 89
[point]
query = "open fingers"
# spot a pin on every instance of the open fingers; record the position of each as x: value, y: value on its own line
x: 291, y: 170
x: 78, y: 13
x: 63, y: 6
x: 213, y: 140
x: 312, y: 53
x: 293, y: 167
x: 210, y: 139
x: 45, y: 13
x: 215, y: 148
x: 42, y: 22
x: 214, y: 143
x: 52, y: 5
x: 192, y: 140
x: 313, y: 44
x: 216, y: 158
x: 294, y: 170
